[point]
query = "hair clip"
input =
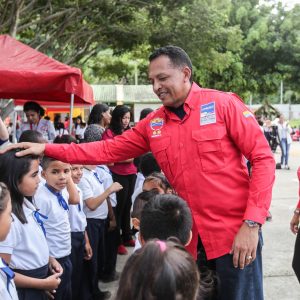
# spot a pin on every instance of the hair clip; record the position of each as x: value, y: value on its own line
x: 162, y: 246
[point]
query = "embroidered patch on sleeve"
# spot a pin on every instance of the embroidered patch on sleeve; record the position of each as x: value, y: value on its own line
x: 208, y: 113
x: 156, y: 126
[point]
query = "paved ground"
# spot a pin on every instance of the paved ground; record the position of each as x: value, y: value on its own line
x: 280, y: 282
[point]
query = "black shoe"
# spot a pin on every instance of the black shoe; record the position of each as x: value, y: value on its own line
x: 110, y: 278
x: 102, y: 295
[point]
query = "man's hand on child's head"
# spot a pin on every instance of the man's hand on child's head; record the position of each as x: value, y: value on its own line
x: 29, y: 148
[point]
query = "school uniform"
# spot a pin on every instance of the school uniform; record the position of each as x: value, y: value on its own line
x: 57, y: 226
x: 45, y: 127
x: 77, y: 220
x: 7, y: 286
x: 27, y: 245
x: 138, y: 188
x: 91, y: 187
x: 112, y: 236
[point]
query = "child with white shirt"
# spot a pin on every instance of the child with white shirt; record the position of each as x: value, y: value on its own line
x: 81, y: 248
x: 96, y: 210
x: 108, y: 273
x: 7, y: 286
x: 25, y: 248
x: 53, y: 198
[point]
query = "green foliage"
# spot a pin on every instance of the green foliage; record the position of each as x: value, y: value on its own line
x: 244, y: 46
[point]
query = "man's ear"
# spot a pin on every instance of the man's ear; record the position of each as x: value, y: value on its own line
x: 187, y: 73
x: 136, y: 223
x: 190, y: 238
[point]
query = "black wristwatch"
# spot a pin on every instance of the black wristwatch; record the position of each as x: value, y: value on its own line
x: 252, y: 224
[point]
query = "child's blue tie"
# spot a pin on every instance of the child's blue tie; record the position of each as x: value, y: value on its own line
x: 8, y: 272
x: 97, y: 177
x: 38, y: 217
x: 62, y: 202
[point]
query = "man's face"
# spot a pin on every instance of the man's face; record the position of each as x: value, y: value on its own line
x: 170, y: 83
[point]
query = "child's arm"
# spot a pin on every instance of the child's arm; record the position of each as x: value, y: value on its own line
x: 22, y: 281
x: 111, y: 216
x: 88, y: 249
x: 94, y: 202
x: 73, y: 192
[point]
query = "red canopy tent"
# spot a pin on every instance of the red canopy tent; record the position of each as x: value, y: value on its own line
x: 26, y: 73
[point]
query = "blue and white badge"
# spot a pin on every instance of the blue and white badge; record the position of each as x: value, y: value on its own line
x: 208, y: 113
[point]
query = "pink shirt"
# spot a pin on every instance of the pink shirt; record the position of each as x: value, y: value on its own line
x: 119, y: 168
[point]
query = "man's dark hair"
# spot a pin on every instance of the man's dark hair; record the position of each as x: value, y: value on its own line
x: 148, y: 164
x: 166, y: 216
x: 31, y: 136
x: 177, y: 56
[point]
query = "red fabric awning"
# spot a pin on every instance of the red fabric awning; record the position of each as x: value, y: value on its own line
x: 26, y: 73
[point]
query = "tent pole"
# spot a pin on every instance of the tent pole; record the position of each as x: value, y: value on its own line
x: 71, y: 113
x: 15, y: 115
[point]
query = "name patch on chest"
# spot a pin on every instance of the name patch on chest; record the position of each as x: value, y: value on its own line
x: 208, y: 113
x: 156, y: 126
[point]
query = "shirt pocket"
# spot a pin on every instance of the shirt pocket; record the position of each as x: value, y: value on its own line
x: 159, y: 147
x: 209, y: 144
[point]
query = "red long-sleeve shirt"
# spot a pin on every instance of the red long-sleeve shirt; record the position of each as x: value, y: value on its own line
x: 202, y: 157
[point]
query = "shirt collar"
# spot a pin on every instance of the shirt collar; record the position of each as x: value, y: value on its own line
x: 189, y: 103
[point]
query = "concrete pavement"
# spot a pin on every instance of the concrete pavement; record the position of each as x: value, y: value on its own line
x: 280, y: 283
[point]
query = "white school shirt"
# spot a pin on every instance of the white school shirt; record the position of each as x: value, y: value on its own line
x: 4, y: 293
x: 77, y: 217
x: 45, y: 127
x: 105, y: 175
x: 26, y: 243
x: 138, y: 188
x: 57, y: 225
x: 92, y: 188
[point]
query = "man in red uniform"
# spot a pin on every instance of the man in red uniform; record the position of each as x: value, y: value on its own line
x: 200, y: 137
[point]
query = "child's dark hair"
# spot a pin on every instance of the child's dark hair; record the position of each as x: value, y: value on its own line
x: 46, y: 161
x: 116, y: 119
x: 65, y: 139
x: 4, y: 192
x: 12, y: 171
x: 166, y: 216
x: 161, y: 180
x: 31, y: 105
x: 148, y: 164
x: 31, y: 136
x: 159, y: 271
x: 140, y: 201
x: 145, y: 112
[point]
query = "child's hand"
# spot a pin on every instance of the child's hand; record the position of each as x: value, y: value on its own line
x: 55, y: 267
x: 115, y: 187
x: 52, y: 282
x: 112, y: 223
x: 88, y: 251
